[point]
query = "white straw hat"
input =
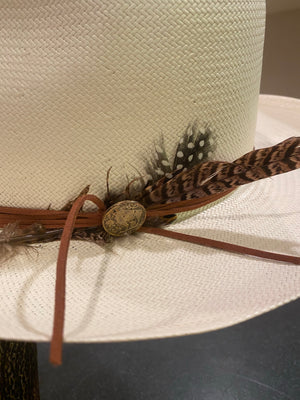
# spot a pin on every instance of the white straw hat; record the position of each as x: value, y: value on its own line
x: 86, y: 86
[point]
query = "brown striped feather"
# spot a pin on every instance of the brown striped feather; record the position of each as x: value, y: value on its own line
x: 213, y: 177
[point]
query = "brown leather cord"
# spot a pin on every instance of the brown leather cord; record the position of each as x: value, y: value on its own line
x: 60, y: 285
x: 73, y: 219
x: 50, y: 219
x: 221, y: 245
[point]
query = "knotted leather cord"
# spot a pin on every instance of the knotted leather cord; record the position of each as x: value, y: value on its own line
x: 74, y: 218
x: 60, y: 284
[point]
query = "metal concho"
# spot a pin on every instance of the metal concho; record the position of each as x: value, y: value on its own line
x: 124, y: 217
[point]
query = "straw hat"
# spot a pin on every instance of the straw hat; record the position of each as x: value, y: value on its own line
x: 86, y: 86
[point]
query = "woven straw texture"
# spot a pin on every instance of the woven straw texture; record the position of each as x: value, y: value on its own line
x: 147, y: 287
x: 86, y: 85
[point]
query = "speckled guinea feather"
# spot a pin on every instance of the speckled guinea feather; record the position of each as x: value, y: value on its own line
x: 195, y: 146
x: 159, y: 165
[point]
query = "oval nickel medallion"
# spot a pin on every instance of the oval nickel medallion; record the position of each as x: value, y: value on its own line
x: 124, y: 217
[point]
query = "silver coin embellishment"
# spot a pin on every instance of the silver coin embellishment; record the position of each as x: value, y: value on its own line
x: 124, y: 217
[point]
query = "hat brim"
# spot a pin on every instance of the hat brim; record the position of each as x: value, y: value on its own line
x: 145, y: 286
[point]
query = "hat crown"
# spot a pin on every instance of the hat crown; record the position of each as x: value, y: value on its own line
x: 90, y: 85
